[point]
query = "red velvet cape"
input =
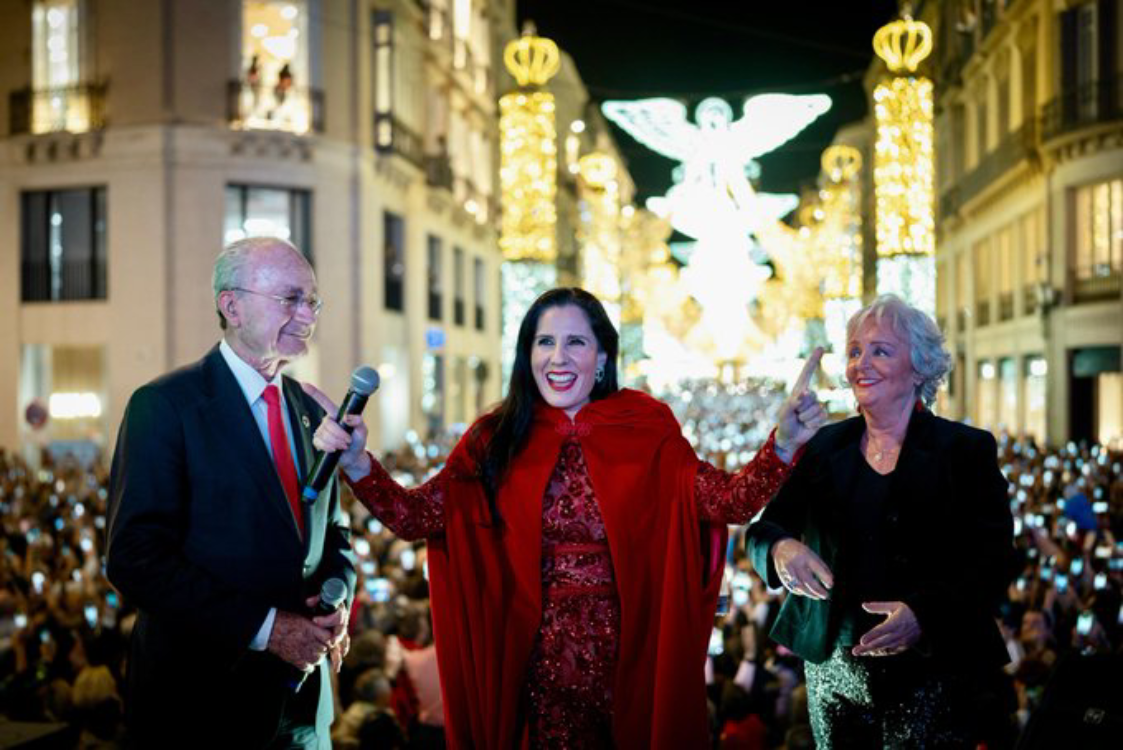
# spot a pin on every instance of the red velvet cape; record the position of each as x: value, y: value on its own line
x: 486, y: 588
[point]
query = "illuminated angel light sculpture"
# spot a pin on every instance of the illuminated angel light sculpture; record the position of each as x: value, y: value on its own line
x: 713, y: 201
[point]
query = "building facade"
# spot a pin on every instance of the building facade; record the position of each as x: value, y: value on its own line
x: 137, y: 138
x: 1029, y: 144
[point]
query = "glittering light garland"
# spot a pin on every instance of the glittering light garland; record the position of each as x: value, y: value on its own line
x: 903, y: 168
x: 528, y: 176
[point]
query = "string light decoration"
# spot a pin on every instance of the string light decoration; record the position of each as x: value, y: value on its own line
x: 903, y: 166
x: 599, y: 231
x: 840, y: 233
x: 528, y: 166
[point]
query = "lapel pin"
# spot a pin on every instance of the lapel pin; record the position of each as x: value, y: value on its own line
x: 306, y: 422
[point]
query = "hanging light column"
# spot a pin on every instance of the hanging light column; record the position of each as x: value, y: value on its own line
x: 903, y: 169
x: 528, y: 169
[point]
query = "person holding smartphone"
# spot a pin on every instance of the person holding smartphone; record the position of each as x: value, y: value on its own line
x: 894, y: 539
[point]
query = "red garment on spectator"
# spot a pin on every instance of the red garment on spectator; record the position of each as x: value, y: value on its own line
x: 748, y: 733
x: 487, y: 586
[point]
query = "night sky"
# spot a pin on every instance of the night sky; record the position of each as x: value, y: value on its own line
x: 691, y: 49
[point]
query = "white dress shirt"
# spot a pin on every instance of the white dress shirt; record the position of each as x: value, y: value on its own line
x: 253, y: 386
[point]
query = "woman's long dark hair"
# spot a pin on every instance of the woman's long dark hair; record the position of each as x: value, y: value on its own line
x: 509, y: 423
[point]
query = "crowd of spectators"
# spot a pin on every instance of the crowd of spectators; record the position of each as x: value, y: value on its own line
x: 63, y: 631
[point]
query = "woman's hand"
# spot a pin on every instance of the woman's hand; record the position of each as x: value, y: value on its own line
x: 899, y: 631
x: 800, y: 570
x: 802, y: 415
x: 330, y: 436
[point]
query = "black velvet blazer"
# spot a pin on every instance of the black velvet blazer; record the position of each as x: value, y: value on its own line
x: 947, y: 528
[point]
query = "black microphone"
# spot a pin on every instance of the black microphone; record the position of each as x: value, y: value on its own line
x: 364, y: 382
x: 332, y: 594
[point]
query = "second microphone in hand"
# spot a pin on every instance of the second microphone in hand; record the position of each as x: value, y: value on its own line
x: 364, y: 382
x: 332, y: 594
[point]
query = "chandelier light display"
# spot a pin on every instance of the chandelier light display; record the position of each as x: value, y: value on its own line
x: 527, y: 182
x: 903, y: 166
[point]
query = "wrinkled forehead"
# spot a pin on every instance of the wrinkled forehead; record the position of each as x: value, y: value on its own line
x: 878, y: 325
x: 283, y: 268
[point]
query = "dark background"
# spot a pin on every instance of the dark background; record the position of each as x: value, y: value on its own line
x: 692, y: 49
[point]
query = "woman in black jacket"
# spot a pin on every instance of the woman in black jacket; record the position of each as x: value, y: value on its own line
x: 893, y: 536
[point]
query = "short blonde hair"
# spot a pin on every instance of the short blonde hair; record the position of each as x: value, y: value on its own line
x: 930, y: 358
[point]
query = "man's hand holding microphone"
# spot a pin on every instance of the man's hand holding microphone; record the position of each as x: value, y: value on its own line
x: 298, y: 639
x: 302, y: 641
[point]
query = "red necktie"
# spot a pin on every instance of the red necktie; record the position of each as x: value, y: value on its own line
x: 282, y: 456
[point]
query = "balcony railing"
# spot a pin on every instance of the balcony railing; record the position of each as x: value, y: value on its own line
x: 392, y: 136
x: 1014, y: 149
x: 1029, y: 298
x: 1089, y: 104
x: 479, y: 317
x: 458, y: 311
x: 1006, y: 306
x: 75, y: 109
x: 1097, y: 287
x: 982, y: 314
x: 438, y: 171
x: 75, y: 280
x: 253, y: 106
x: 961, y: 320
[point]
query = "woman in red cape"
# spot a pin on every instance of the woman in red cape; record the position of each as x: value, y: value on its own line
x: 575, y: 545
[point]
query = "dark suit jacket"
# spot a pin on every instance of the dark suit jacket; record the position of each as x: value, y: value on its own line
x: 203, y: 541
x: 947, y: 528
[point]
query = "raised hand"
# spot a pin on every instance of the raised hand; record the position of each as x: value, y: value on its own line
x: 898, y: 632
x: 800, y: 570
x: 330, y: 436
x: 802, y: 415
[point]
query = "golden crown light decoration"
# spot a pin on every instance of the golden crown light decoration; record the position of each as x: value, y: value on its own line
x: 903, y: 166
x: 903, y: 44
x: 528, y: 166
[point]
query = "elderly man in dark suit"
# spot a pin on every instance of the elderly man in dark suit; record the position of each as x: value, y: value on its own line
x: 208, y: 534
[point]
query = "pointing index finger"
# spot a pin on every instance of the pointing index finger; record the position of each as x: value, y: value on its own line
x: 809, y: 368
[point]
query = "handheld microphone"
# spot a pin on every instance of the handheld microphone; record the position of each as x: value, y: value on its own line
x: 364, y: 382
x: 332, y: 593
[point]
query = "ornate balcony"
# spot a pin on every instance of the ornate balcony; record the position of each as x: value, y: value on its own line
x: 75, y: 109
x: 438, y: 171
x: 1006, y: 306
x: 253, y: 106
x: 1104, y: 285
x: 1093, y: 103
x: 392, y: 136
x: 1016, y: 148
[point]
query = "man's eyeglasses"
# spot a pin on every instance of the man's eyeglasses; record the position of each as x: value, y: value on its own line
x: 290, y: 302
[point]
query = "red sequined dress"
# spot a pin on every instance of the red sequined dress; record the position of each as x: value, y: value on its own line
x: 572, y: 667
